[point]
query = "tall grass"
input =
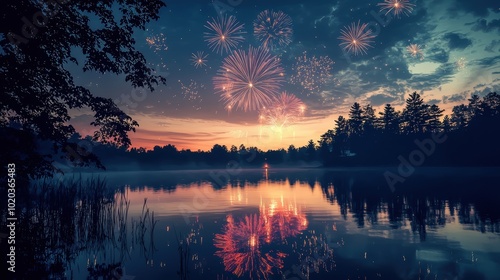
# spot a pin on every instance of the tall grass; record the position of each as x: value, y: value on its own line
x: 59, y: 220
x: 184, y: 254
x: 140, y: 228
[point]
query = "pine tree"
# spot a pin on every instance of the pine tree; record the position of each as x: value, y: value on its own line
x: 355, y: 119
x: 389, y: 119
x: 434, y: 122
x: 446, y: 124
x: 460, y: 117
x: 415, y: 114
x: 341, y: 134
x: 370, y: 121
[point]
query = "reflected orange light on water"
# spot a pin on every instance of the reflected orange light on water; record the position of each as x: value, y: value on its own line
x: 240, y: 248
x: 267, y: 196
x: 244, y: 246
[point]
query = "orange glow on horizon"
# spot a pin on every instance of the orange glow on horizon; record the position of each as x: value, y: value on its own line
x: 186, y: 133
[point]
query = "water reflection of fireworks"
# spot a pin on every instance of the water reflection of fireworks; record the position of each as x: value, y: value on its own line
x: 282, y: 220
x: 311, y: 72
x: 240, y: 247
x: 314, y: 255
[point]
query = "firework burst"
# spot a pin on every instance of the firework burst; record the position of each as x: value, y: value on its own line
x: 273, y: 29
x: 240, y: 248
x: 461, y: 63
x: 156, y: 41
x: 191, y: 93
x: 356, y: 38
x: 311, y: 72
x: 225, y: 33
x: 396, y: 7
x: 199, y: 59
x: 415, y: 51
x: 284, y: 110
x: 248, y: 80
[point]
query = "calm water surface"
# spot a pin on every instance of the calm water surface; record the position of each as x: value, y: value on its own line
x: 302, y: 224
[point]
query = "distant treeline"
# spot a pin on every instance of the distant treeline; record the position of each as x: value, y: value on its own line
x: 470, y: 136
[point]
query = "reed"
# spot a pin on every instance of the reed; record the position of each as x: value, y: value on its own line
x: 59, y: 220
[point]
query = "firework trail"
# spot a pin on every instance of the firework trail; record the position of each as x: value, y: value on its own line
x: 224, y: 34
x: 311, y: 72
x: 397, y: 7
x: 273, y: 29
x: 249, y: 79
x: 356, y: 38
x: 199, y: 59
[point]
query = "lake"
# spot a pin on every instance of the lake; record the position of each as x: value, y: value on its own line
x: 440, y: 223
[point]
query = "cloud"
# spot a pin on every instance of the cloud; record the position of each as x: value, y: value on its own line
x: 433, y: 101
x: 149, y: 138
x: 381, y: 99
x: 476, y: 7
x: 457, y: 97
x: 488, y: 61
x: 494, y: 46
x: 457, y: 41
x: 485, y: 26
x: 149, y: 143
x: 442, y: 75
x: 180, y: 135
x: 438, y: 54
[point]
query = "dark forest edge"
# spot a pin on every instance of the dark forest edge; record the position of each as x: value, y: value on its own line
x: 40, y: 92
x: 469, y: 137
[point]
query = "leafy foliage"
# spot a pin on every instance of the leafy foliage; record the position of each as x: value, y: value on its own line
x: 38, y: 41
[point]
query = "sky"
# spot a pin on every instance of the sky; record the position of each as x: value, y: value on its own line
x: 459, y: 55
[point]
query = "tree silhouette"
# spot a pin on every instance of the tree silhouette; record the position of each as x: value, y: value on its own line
x: 341, y: 135
x: 311, y: 150
x: 434, y: 121
x: 460, y: 117
x: 340, y: 147
x: 326, y: 143
x: 370, y: 122
x: 219, y: 153
x: 389, y: 119
x: 355, y: 119
x: 38, y: 43
x: 446, y: 124
x: 415, y: 114
x: 292, y: 153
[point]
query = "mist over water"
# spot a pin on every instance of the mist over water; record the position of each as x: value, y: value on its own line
x: 273, y: 224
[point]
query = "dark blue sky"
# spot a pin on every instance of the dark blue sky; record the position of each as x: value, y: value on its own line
x: 459, y: 39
